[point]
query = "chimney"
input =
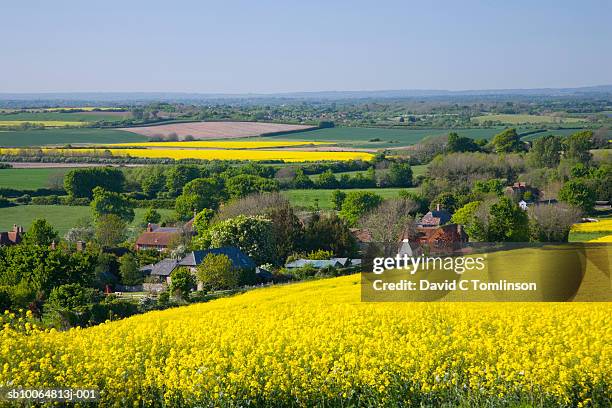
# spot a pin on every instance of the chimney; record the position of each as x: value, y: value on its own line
x: 438, y: 207
x: 80, y: 246
x: 53, y: 246
x: 149, y: 227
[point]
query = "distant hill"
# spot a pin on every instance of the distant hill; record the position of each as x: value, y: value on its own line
x: 89, y: 98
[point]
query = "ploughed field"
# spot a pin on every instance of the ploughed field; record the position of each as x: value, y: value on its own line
x: 215, y: 130
x: 315, y: 343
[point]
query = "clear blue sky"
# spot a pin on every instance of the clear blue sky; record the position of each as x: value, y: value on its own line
x: 308, y: 45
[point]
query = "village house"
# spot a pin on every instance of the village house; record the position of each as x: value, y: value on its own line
x: 159, y: 238
x: 522, y: 191
x: 164, y: 268
x: 13, y: 237
x: 435, y: 228
x: 323, y: 263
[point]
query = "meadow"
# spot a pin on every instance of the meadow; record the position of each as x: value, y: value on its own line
x: 61, y: 217
x: 26, y: 138
x: 519, y: 119
x: 308, y: 198
x: 389, y: 137
x: 315, y: 343
x: 89, y: 116
x: 45, y: 123
x: 30, y: 179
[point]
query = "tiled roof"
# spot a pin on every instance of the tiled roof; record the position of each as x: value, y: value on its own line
x: 239, y: 259
x: 155, y: 238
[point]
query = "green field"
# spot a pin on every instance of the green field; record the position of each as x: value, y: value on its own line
x: 30, y: 179
x: 306, y: 198
x: 62, y: 116
x: 416, y: 171
x: 66, y: 136
x: 517, y: 119
x: 360, y: 137
x: 62, y: 217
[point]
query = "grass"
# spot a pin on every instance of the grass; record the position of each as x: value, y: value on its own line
x: 586, y: 236
x: 418, y: 170
x: 66, y: 136
x: 62, y: 116
x: 360, y: 137
x: 517, y: 119
x: 62, y: 217
x: 30, y: 179
x: 45, y: 123
x: 306, y: 198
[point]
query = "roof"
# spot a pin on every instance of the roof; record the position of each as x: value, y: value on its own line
x: 239, y: 259
x: 362, y: 234
x: 435, y: 218
x: 10, y: 238
x: 315, y: 263
x: 162, y: 268
x: 155, y: 238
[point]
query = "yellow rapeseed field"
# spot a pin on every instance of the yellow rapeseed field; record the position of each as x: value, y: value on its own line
x: 45, y: 123
x: 204, y: 154
x: 316, y: 343
x: 604, y: 225
x: 223, y: 144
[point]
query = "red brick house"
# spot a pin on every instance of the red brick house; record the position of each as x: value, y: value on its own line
x: 160, y: 238
x: 13, y: 237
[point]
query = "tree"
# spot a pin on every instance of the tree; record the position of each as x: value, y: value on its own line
x: 301, y: 180
x: 128, y: 269
x: 253, y: 235
x: 337, y: 198
x: 202, y: 220
x: 447, y: 200
x: 457, y: 144
x: 110, y: 230
x: 507, y: 141
x: 109, y: 203
x: 391, y: 220
x: 327, y: 179
x: 507, y: 222
x: 153, y: 182
x: 151, y: 216
x: 82, y: 182
x: 330, y: 233
x: 399, y: 175
x: 198, y: 194
x: 357, y: 204
x: 182, y: 282
x: 552, y: 222
x: 245, y: 184
x: 578, y: 146
x: 180, y: 175
x: 41, y: 233
x: 217, y: 272
x: 467, y: 216
x: 579, y: 193
x: 546, y: 152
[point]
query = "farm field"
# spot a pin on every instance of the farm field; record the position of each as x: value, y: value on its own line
x: 517, y: 119
x: 307, y: 343
x: 360, y: 137
x: 62, y: 217
x: 222, y: 144
x: 417, y: 170
x: 45, y: 123
x: 306, y: 198
x: 25, y: 138
x: 208, y: 154
x: 212, y: 130
x: 30, y: 179
x: 90, y: 116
